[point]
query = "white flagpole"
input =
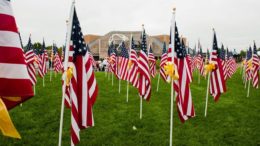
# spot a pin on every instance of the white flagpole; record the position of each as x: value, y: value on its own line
x: 65, y: 68
x: 207, y: 95
x: 119, y: 87
x: 172, y: 92
x: 158, y: 82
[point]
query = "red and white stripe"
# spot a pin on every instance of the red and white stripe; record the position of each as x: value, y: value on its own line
x: 152, y: 64
x: 217, y: 82
x: 30, y: 59
x: 162, y: 64
x: 42, y: 65
x: 183, y: 92
x: 255, y: 71
x: 14, y: 77
x: 133, y: 68
x: 57, y: 63
x: 123, y: 70
x: 144, y: 76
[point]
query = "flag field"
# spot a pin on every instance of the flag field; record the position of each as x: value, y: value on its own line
x: 233, y: 120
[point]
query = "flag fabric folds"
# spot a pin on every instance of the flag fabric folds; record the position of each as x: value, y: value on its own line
x: 249, y: 64
x: 123, y: 71
x: 163, y: 62
x: 13, y: 74
x: 30, y: 59
x: 15, y: 84
x: 42, y: 61
x: 256, y: 68
x: 82, y: 86
x: 152, y: 62
x: 144, y: 72
x: 217, y: 82
x: 133, y: 65
x: 182, y: 85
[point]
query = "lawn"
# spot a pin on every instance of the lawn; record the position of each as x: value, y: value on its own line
x: 233, y: 120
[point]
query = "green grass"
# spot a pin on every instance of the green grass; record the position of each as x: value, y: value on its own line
x: 233, y: 120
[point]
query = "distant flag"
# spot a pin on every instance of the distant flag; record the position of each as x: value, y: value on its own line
x: 152, y: 62
x: 58, y: 66
x: 256, y: 68
x: 224, y: 61
x: 182, y: 85
x: 94, y: 64
x: 231, y: 64
x: 163, y: 62
x: 43, y: 60
x: 144, y: 72
x: 15, y: 84
x: 123, y: 72
x: 249, y: 64
x: 217, y: 82
x: 133, y: 65
x: 114, y: 60
x: 30, y: 59
x: 83, y: 86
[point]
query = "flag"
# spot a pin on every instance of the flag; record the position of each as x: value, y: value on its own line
x: 123, y: 71
x: 83, y: 87
x: 182, y: 85
x: 231, y: 64
x: 217, y: 82
x: 255, y: 68
x: 163, y: 62
x: 249, y: 64
x: 30, y: 59
x: 15, y: 84
x: 94, y: 64
x: 114, y: 60
x: 58, y: 66
x: 42, y: 61
x: 133, y: 65
x: 224, y: 61
x: 144, y: 73
x: 152, y: 62
x: 14, y: 77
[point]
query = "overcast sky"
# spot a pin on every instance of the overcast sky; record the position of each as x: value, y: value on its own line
x: 237, y: 22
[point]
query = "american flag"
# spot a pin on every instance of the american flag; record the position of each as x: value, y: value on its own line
x: 152, y: 62
x: 14, y: 77
x: 248, y: 64
x: 83, y: 87
x: 133, y: 65
x: 231, y: 64
x: 255, y: 68
x: 217, y: 82
x: 199, y: 60
x: 123, y: 70
x: 114, y: 60
x: 94, y: 64
x: 58, y: 66
x: 224, y: 60
x: 144, y: 73
x: 182, y: 85
x: 30, y: 59
x: 163, y: 62
x: 42, y: 61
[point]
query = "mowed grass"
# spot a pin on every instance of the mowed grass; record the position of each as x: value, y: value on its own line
x: 233, y: 120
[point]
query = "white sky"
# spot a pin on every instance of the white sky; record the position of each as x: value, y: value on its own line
x: 237, y: 22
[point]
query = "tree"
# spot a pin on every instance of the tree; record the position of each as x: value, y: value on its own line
x: 242, y: 53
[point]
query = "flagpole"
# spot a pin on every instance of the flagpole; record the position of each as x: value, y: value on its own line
x: 158, y: 82
x: 65, y: 68
x: 207, y: 95
x: 34, y: 90
x: 141, y: 107
x: 172, y: 92
x: 112, y: 79
x: 248, y: 90
x: 119, y: 88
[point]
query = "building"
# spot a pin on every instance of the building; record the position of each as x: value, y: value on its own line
x: 99, y: 44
